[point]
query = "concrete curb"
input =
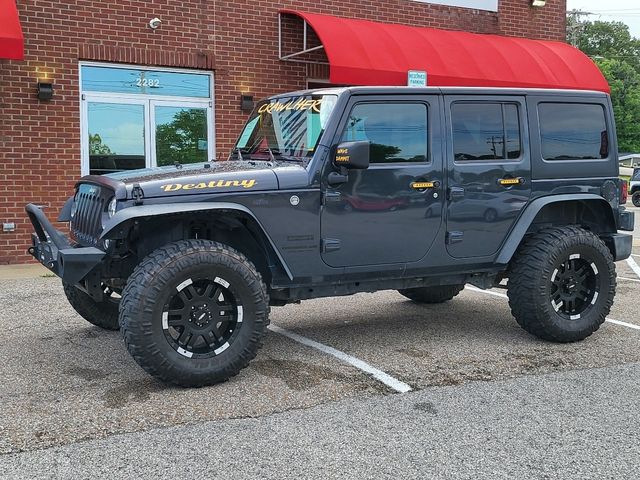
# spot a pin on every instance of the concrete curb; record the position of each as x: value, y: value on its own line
x: 15, y: 272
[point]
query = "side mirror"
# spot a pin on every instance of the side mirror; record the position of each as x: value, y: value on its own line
x: 352, y: 155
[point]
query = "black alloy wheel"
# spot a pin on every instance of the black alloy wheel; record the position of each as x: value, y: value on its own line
x: 201, y: 319
x: 574, y: 286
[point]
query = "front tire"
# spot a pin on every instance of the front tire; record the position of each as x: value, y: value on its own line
x: 194, y: 313
x: 436, y: 294
x: 635, y: 198
x: 562, y: 282
x: 102, y: 314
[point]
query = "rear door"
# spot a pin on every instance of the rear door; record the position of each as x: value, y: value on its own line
x: 489, y: 171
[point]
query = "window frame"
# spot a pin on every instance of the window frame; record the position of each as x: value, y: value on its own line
x: 569, y: 102
x: 519, y: 109
x: 414, y: 101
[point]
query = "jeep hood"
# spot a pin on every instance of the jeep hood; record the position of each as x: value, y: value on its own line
x: 215, y: 177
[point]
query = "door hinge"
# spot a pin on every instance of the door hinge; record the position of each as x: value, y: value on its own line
x: 454, y: 237
x: 137, y: 194
x: 455, y: 193
x: 330, y: 196
x: 330, y: 245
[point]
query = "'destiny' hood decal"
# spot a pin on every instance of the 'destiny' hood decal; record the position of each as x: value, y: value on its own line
x: 220, y: 183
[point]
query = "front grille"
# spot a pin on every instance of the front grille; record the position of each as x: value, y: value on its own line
x: 86, y: 223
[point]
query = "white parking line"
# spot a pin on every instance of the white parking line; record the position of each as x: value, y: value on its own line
x: 379, y: 375
x: 629, y: 279
x: 634, y: 266
x: 502, y: 295
x: 624, y: 324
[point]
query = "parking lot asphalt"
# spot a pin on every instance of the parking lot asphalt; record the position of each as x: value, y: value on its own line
x: 68, y: 384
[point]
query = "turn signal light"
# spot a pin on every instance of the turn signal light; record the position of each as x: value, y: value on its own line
x: 624, y: 192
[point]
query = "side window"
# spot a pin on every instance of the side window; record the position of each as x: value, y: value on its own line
x: 573, y: 131
x: 485, y: 131
x: 398, y: 132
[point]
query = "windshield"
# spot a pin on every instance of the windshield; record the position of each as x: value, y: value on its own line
x: 286, y: 128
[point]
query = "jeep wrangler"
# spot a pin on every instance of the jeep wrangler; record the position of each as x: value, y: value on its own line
x: 337, y: 191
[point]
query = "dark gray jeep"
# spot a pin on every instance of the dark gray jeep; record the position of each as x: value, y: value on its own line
x: 334, y: 192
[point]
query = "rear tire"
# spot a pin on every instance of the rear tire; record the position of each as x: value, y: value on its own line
x: 194, y: 313
x: 562, y: 282
x: 436, y: 294
x: 102, y: 314
x: 635, y: 198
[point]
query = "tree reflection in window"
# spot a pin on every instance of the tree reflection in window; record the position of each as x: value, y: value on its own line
x: 397, y: 131
x: 485, y: 131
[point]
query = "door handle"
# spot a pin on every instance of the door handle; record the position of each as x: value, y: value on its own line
x: 509, y: 182
x: 423, y: 185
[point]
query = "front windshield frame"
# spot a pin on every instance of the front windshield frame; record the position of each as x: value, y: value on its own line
x: 285, y: 128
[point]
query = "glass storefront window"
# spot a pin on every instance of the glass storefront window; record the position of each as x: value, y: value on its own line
x: 144, y: 82
x: 138, y: 118
x: 181, y: 135
x: 116, y: 137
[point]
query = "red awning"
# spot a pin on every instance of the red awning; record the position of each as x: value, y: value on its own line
x: 11, y: 39
x: 361, y: 52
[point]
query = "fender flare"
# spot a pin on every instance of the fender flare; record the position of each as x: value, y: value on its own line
x: 525, y: 220
x: 114, y: 227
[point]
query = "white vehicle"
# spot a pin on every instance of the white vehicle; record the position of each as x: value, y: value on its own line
x: 634, y: 187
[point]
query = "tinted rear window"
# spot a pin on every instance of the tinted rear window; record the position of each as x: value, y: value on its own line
x: 573, y: 131
x: 482, y: 130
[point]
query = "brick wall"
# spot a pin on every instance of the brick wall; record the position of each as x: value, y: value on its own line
x: 40, y: 141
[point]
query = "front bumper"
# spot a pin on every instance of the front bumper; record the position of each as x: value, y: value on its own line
x: 53, y: 250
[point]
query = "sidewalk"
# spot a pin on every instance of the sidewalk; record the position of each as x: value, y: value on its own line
x: 15, y: 272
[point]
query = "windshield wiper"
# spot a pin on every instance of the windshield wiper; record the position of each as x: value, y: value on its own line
x: 271, y: 155
x: 238, y: 150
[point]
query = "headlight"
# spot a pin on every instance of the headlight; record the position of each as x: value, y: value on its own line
x: 111, y: 209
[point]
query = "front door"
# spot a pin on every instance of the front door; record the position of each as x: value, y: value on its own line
x: 391, y: 212
x: 489, y: 179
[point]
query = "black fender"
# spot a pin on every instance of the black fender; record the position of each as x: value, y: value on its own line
x: 531, y: 211
x: 117, y: 226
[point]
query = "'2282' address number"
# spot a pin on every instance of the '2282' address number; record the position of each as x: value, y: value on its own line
x: 148, y: 82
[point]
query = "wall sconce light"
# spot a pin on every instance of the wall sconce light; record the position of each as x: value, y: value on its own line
x: 538, y: 3
x: 246, y: 103
x: 45, y: 90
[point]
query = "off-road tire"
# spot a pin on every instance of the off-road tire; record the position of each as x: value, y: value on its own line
x: 158, y: 277
x: 436, y: 294
x: 102, y: 314
x: 531, y: 289
x: 635, y: 198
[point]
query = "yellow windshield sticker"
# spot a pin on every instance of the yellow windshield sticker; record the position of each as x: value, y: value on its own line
x: 299, y: 104
x: 173, y: 187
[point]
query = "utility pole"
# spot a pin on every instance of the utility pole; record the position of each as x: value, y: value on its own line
x: 575, y: 25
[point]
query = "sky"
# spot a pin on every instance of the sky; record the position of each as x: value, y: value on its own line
x: 626, y: 11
